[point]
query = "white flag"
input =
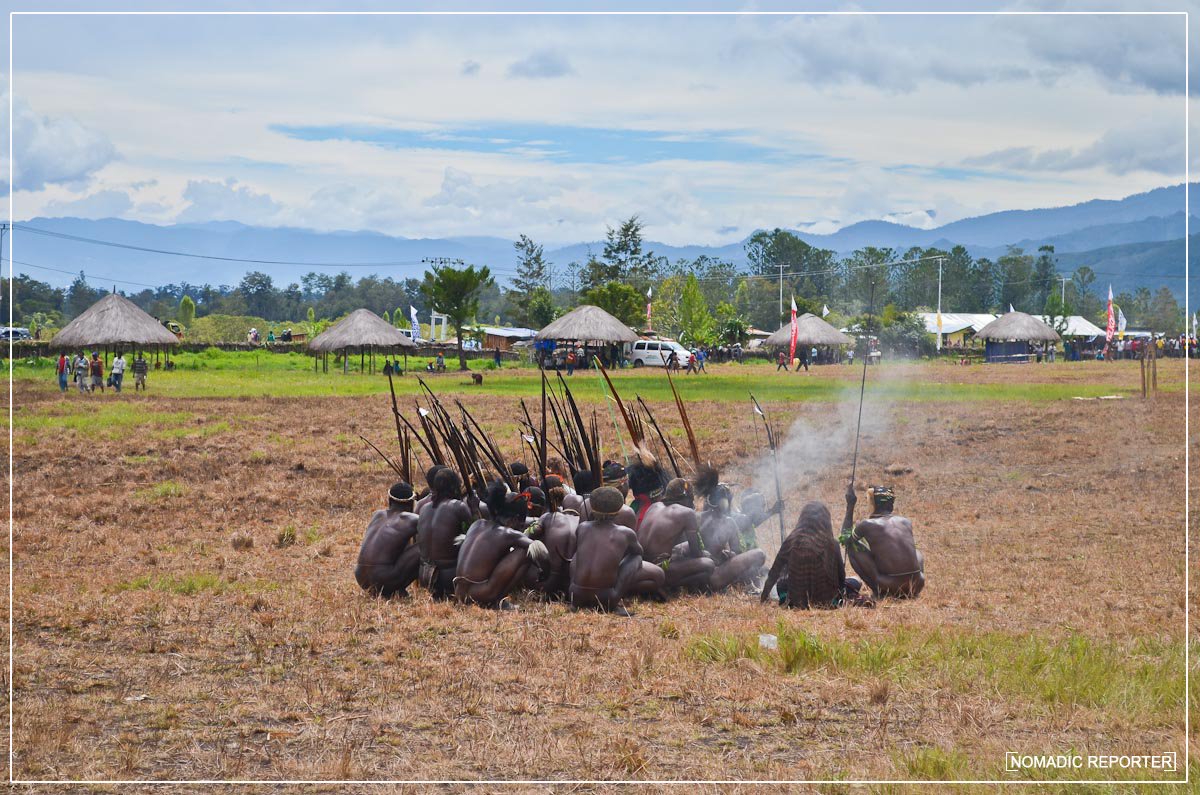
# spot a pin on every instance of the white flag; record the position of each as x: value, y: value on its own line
x: 758, y: 411
x: 1010, y: 308
x: 1120, y: 320
x: 416, y: 324
x: 649, y: 292
x: 824, y: 310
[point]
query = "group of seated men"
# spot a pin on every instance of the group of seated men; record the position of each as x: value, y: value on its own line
x: 583, y: 543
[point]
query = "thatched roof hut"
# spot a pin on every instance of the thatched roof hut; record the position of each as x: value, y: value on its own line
x: 810, y: 330
x: 1017, y: 326
x: 362, y: 328
x: 113, y: 320
x: 587, y: 323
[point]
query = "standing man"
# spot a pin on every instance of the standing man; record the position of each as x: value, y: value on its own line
x: 62, y: 368
x: 118, y: 370
x: 81, y: 373
x: 783, y: 364
x: 496, y: 357
x: 140, y: 368
x: 97, y: 368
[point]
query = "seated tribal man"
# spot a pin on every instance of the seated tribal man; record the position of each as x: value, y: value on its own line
x: 812, y: 561
x: 719, y: 532
x: 496, y: 555
x: 521, y: 473
x: 584, y: 483
x: 608, y: 563
x: 388, y: 560
x: 753, y: 512
x: 441, y: 522
x: 430, y: 474
x: 614, y: 476
x: 556, y: 529
x: 647, y: 481
x: 881, y: 549
x: 670, y: 537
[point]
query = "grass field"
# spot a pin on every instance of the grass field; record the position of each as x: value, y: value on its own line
x: 184, y: 605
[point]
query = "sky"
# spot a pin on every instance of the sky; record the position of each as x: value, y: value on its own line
x: 707, y: 127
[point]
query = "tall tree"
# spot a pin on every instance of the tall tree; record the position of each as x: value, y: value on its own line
x: 619, y: 300
x: 454, y: 292
x: 531, y: 276
x: 1045, y: 271
x: 1017, y: 288
x: 694, y: 317
x: 258, y: 290
x: 187, y: 311
x: 622, y: 259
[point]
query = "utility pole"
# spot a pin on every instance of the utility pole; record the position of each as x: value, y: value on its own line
x: 939, y: 303
x: 1063, y: 279
x: 780, y: 291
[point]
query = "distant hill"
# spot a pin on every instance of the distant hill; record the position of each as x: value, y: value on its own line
x: 1139, y: 238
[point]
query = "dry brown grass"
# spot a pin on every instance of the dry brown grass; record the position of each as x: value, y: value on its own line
x: 214, y: 630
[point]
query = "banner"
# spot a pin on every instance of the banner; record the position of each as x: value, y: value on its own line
x: 795, y: 331
x: 416, y: 324
x: 1112, y: 319
x: 1120, y: 323
x: 649, y: 294
x: 825, y: 310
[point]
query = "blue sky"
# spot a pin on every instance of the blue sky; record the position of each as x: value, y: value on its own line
x: 556, y: 126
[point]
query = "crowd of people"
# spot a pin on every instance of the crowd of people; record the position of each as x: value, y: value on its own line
x: 88, y: 373
x: 575, y: 540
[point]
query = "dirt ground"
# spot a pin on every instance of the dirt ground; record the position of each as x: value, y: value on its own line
x: 185, y: 608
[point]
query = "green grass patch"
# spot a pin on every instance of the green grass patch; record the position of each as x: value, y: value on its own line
x: 1142, y: 679
x: 164, y: 490
x: 192, y: 584
x: 215, y: 373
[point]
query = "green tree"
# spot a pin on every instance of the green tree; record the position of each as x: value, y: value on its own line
x: 387, y: 318
x: 455, y: 293
x: 1083, y: 298
x: 694, y: 318
x: 399, y: 320
x: 1165, y: 313
x: 531, y: 275
x: 1016, y: 271
x: 540, y: 311
x: 187, y: 311
x: 731, y: 327
x: 622, y: 259
x: 1057, y: 311
x: 1045, y: 269
x: 259, y: 291
x: 619, y: 300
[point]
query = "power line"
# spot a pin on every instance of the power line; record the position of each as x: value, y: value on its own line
x: 74, y: 273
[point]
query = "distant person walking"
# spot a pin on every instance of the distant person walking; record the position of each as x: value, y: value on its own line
x: 140, y: 368
x: 701, y: 358
x: 782, y: 363
x: 63, y: 368
x: 496, y: 357
x: 97, y: 368
x: 117, y: 373
x: 81, y: 373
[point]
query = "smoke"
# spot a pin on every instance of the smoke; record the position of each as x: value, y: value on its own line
x: 815, y: 452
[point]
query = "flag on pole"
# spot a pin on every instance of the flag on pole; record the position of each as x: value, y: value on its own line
x: 1010, y: 308
x: 416, y: 324
x: 1193, y: 324
x: 1112, y: 319
x: 649, y: 293
x: 1120, y: 323
x: 795, y: 331
x: 824, y: 310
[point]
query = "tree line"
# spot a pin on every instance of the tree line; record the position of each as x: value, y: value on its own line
x: 701, y: 300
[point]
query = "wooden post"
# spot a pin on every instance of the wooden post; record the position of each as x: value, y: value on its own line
x: 1154, y: 366
x: 315, y: 357
x: 1142, y: 363
x: 345, y: 360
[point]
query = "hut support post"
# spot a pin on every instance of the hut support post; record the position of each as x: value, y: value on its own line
x: 1153, y: 365
x: 1142, y: 368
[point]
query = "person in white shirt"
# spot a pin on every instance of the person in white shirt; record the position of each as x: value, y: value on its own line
x: 118, y: 370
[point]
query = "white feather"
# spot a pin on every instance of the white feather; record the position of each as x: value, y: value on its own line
x: 459, y: 539
x: 538, y: 552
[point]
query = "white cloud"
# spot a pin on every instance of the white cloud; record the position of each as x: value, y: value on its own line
x: 1147, y: 147
x: 210, y: 200
x: 53, y: 150
x: 101, y: 204
x: 543, y: 63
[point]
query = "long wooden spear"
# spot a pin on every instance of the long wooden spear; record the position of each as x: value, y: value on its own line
x: 775, y: 462
x: 661, y: 438
x: 687, y: 424
x: 862, y: 390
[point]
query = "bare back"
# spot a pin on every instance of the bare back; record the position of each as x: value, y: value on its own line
x: 439, y: 524
x: 388, y: 535
x: 890, y: 538
x: 557, y: 531
x: 665, y: 525
x: 601, y: 545
x: 486, y: 543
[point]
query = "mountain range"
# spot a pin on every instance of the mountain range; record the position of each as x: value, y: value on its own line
x: 1131, y: 242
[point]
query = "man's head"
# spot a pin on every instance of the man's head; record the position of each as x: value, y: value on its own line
x: 679, y: 492
x: 883, y: 499
x: 614, y: 475
x: 719, y: 499
x: 520, y: 474
x: 95, y: 355
x: 140, y: 355
x: 536, y: 499
x: 753, y: 503
x: 400, y: 497
x: 507, y: 507
x: 446, y: 483
x: 552, y: 487
x: 584, y: 482
x: 606, y: 502
x: 431, y: 473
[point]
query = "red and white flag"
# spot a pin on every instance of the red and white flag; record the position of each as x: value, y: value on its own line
x: 795, y: 331
x: 1112, y: 320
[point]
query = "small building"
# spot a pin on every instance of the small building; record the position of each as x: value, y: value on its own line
x: 503, y: 337
x: 957, y: 327
x: 1009, y: 337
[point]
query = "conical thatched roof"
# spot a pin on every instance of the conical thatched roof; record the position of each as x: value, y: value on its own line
x: 587, y: 323
x: 113, y: 320
x: 1017, y: 326
x: 810, y: 330
x: 360, y: 329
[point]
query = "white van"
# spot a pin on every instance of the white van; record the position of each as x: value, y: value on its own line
x: 654, y: 353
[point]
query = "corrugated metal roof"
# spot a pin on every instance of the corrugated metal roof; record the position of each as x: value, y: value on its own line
x: 953, y: 322
x: 1077, y: 326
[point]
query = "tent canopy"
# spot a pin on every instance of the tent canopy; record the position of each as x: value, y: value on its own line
x: 587, y: 323
x: 113, y: 320
x: 810, y: 330
x: 362, y: 328
x: 1017, y: 326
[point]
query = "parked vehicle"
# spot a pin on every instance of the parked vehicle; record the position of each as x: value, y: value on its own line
x: 655, y: 353
x: 14, y: 333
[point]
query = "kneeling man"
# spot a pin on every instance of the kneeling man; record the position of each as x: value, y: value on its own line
x: 881, y: 549
x: 497, y: 556
x: 608, y: 562
x: 388, y: 559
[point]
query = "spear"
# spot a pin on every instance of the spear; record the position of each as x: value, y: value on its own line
x: 775, y: 461
x: 862, y: 390
x: 661, y: 438
x: 633, y: 434
x: 384, y: 456
x: 687, y: 425
x: 542, y: 444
